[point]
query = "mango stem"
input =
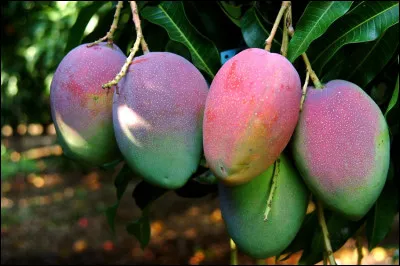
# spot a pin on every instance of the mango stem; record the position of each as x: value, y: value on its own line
x: 273, y: 188
x: 325, y: 233
x: 314, y: 78
x: 268, y: 42
x: 134, y: 49
x: 234, y: 260
x: 303, y: 95
x: 110, y: 34
x: 287, y: 21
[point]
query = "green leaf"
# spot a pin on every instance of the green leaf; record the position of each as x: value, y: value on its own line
x: 76, y: 34
x: 254, y: 30
x: 340, y: 230
x: 193, y: 189
x: 381, y: 217
x: 145, y: 193
x: 231, y: 11
x: 366, y: 22
x: 178, y: 48
x: 316, y: 19
x: 395, y: 97
x: 368, y: 59
x: 171, y: 16
x: 121, y: 182
x: 140, y: 228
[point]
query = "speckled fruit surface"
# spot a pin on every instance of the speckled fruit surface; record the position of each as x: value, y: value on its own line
x: 81, y: 109
x: 251, y: 112
x: 341, y: 147
x: 158, y: 117
x: 243, y: 207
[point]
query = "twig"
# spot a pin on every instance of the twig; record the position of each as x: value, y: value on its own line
x: 268, y: 42
x: 303, y: 95
x: 145, y: 48
x: 359, y: 249
x: 287, y: 22
x: 234, y: 260
x: 325, y: 233
x: 273, y: 188
x: 134, y: 49
x: 110, y: 34
x: 314, y: 78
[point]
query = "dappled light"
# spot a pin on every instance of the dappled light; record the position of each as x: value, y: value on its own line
x: 131, y: 123
x: 156, y: 124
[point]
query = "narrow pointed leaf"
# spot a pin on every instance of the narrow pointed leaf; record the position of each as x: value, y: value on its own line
x: 145, y: 193
x: 395, y: 97
x: 367, y: 59
x: 171, y: 16
x: 316, y: 19
x: 121, y: 182
x: 366, y: 22
x: 140, y: 228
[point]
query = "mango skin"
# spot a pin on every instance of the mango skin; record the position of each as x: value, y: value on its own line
x: 251, y: 113
x: 81, y: 109
x: 243, y: 207
x: 341, y: 147
x: 158, y: 117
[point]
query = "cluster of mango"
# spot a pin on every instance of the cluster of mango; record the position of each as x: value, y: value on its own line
x: 162, y: 118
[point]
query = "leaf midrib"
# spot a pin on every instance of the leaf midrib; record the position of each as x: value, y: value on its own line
x: 309, y: 32
x: 187, y: 42
x: 357, y: 26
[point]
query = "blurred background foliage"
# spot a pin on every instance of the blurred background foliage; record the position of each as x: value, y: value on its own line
x: 37, y: 35
x: 361, y: 46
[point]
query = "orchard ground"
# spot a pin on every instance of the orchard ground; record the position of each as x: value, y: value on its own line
x: 55, y: 215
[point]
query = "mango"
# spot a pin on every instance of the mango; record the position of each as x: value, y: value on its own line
x: 243, y: 207
x: 251, y: 112
x: 341, y: 147
x: 158, y: 117
x: 81, y: 109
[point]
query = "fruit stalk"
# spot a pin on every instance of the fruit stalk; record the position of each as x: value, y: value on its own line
x: 268, y: 42
x: 325, y: 233
x: 287, y: 22
x: 234, y: 260
x: 273, y: 188
x: 134, y: 49
x: 314, y: 78
x: 136, y: 20
x: 303, y: 96
x: 110, y: 34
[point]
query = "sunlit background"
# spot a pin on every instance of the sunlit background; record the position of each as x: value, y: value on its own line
x: 52, y: 209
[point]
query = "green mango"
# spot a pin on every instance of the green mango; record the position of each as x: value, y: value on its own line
x: 243, y: 209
